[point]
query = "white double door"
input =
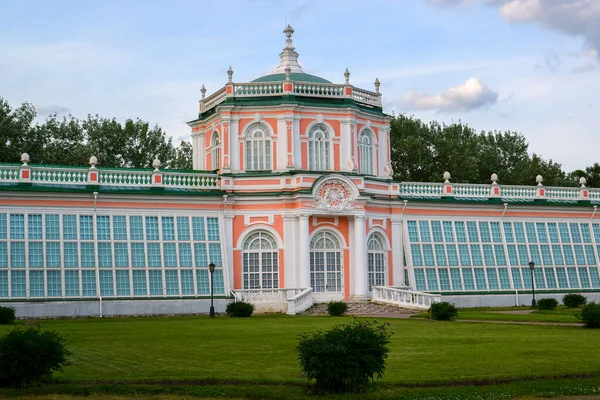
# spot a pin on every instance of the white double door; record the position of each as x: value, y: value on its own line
x: 326, y: 264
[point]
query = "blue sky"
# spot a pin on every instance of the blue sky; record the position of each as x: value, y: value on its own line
x: 525, y: 65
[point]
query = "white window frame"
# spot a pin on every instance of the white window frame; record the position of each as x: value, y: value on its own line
x: 319, y: 148
x: 258, y: 155
x: 266, y: 250
x: 376, y: 257
x: 366, y: 151
x: 215, y: 151
x: 334, y: 249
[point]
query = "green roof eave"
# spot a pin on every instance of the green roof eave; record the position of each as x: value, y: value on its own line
x: 498, y: 200
x: 161, y: 191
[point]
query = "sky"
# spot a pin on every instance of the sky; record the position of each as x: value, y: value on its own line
x: 530, y: 66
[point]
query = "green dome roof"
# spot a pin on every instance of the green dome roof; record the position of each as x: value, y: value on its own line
x: 295, y: 76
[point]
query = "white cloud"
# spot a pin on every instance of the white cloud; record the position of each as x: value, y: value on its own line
x: 471, y: 95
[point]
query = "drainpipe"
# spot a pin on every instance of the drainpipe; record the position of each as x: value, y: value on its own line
x: 96, y: 252
x: 504, y: 212
x: 595, y: 209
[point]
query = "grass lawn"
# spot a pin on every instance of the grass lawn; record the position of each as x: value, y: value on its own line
x: 561, y: 314
x: 256, y: 358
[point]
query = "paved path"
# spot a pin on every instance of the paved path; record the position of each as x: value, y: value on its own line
x: 366, y: 309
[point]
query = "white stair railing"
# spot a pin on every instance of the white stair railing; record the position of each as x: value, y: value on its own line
x: 301, y: 302
x: 404, y: 298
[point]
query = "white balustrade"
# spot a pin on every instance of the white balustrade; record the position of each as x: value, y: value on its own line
x: 125, y: 178
x: 190, y: 181
x: 517, y: 192
x: 301, y: 302
x: 318, y: 89
x: 9, y: 173
x: 418, y: 189
x: 404, y: 298
x: 562, y: 193
x: 296, y: 299
x: 258, y: 89
x: 365, y: 96
x: 58, y: 175
x: 214, y: 99
x: 470, y: 190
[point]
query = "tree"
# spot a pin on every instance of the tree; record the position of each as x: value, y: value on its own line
x: 183, y: 156
x: 454, y: 150
x: 411, y: 144
x: 64, y: 142
x: 16, y: 135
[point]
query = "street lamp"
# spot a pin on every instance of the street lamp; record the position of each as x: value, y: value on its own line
x: 211, y: 268
x: 531, y: 267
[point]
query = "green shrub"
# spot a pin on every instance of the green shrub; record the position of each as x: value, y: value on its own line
x: 239, y: 309
x: 7, y: 315
x: 346, y: 357
x: 442, y: 311
x: 573, y: 300
x: 547, y: 304
x: 28, y: 355
x: 590, y: 315
x: 337, y: 308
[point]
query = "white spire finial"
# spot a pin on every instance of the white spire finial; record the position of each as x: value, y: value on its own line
x: 377, y: 84
x: 229, y: 75
x: 289, y: 56
x: 347, y: 76
x: 203, y: 92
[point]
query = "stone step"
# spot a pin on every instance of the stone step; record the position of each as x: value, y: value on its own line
x: 363, y: 308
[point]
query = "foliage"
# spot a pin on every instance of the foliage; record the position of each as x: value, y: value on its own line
x: 7, y: 315
x: 573, y: 300
x: 421, y: 152
x: 442, y: 311
x: 28, y: 355
x: 346, y: 357
x: 70, y: 141
x: 337, y: 308
x: 590, y: 315
x: 547, y: 304
x: 239, y: 309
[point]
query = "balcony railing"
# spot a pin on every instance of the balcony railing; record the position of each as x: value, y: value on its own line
x: 54, y: 175
x: 306, y: 89
x: 404, y: 298
x: 428, y: 190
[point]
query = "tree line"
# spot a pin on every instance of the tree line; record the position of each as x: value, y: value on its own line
x: 420, y: 151
x: 71, y: 141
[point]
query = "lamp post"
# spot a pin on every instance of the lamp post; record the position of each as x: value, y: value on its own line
x: 531, y: 267
x: 211, y: 268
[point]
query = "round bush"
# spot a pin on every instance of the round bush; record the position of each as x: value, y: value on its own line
x: 346, y: 357
x: 337, y: 308
x: 573, y: 300
x: 547, y: 304
x: 30, y: 355
x: 7, y: 315
x: 590, y: 315
x: 239, y: 309
x: 442, y: 311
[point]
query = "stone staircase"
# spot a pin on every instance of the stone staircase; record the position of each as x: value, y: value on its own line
x: 365, y: 308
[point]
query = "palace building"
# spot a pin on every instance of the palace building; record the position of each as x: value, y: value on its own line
x: 292, y: 202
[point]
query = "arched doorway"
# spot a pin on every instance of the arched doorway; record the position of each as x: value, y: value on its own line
x: 260, y: 261
x: 376, y: 260
x: 326, y: 263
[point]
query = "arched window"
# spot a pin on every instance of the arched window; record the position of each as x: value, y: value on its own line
x: 260, y: 262
x: 215, y: 151
x: 258, y: 148
x: 318, y: 148
x: 325, y: 263
x: 365, y: 150
x: 376, y: 260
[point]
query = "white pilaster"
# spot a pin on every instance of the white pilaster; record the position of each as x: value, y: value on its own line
x: 296, y: 148
x: 383, y: 151
x: 303, y: 252
x: 290, y: 255
x: 397, y: 248
x: 198, y: 152
x: 228, y: 230
x: 345, y: 144
x: 282, y: 138
x: 360, y: 259
x: 234, y: 145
